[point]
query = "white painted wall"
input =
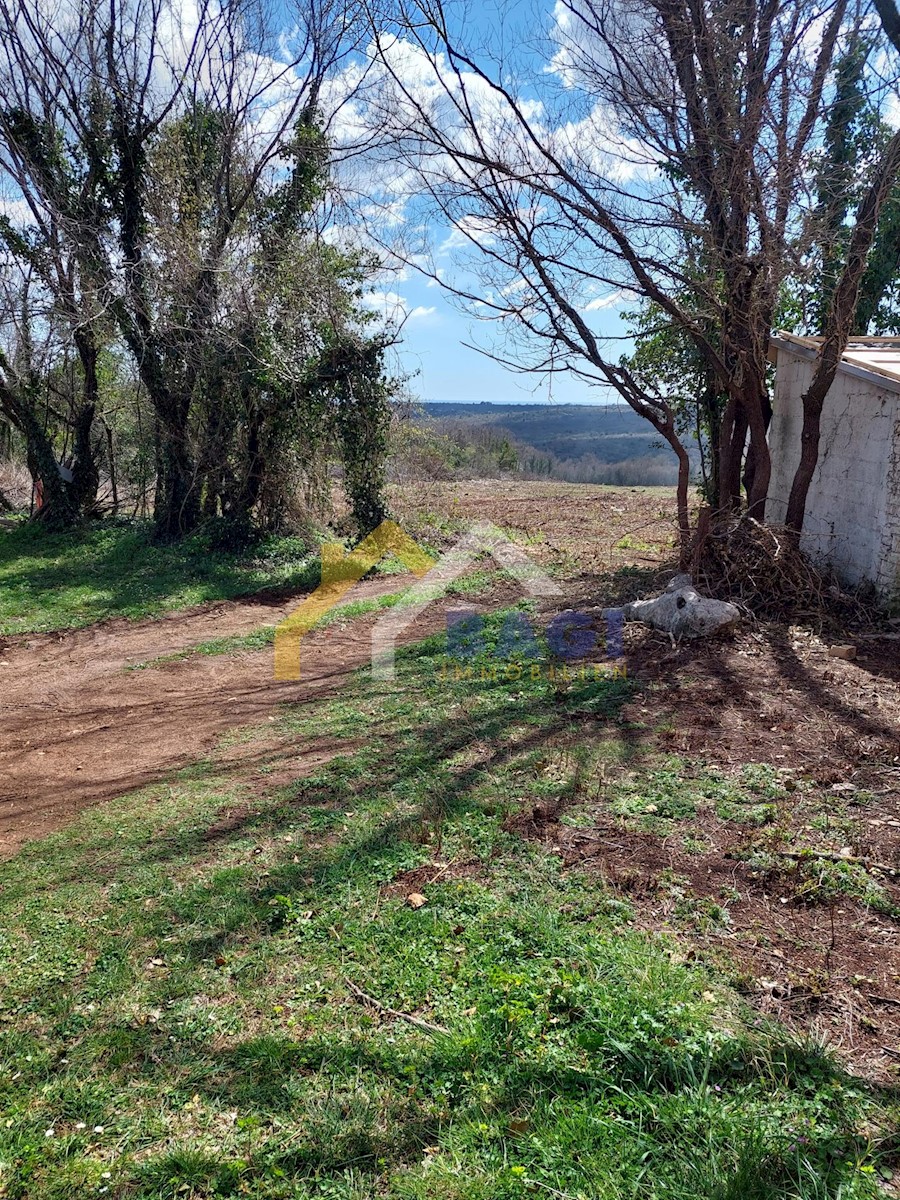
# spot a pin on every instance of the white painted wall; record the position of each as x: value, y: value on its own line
x: 853, y: 510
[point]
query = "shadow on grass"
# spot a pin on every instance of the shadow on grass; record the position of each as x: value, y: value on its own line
x: 615, y: 1074
x: 55, y: 580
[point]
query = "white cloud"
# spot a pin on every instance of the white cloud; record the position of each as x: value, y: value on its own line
x: 391, y: 304
x: 394, y: 307
x: 465, y: 232
x: 610, y: 300
x: 518, y: 285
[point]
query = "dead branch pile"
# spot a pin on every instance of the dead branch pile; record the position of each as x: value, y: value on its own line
x: 761, y: 568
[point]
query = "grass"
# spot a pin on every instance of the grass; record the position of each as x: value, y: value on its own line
x: 657, y: 797
x: 176, y: 1018
x: 65, y: 581
x: 58, y: 581
x: 258, y: 639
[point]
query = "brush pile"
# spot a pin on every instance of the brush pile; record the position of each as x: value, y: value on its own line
x: 762, y: 570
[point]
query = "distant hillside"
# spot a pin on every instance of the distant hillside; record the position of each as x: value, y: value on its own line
x: 575, y: 442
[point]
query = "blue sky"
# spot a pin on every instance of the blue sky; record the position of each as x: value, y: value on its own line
x: 437, y: 336
x: 433, y: 345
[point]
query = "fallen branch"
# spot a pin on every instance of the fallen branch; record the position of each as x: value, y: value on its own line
x: 760, y: 567
x: 393, y: 1012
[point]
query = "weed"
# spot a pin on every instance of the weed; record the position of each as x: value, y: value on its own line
x: 825, y: 881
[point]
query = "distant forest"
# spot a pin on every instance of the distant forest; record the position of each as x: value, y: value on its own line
x: 571, y: 442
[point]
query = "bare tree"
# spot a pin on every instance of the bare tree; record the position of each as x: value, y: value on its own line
x: 41, y: 393
x: 666, y: 155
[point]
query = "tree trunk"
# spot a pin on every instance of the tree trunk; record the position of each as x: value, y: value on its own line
x: 732, y: 441
x: 113, y: 476
x: 85, y: 470
x: 57, y: 510
x: 176, y: 507
x: 758, y: 465
x: 838, y: 330
x: 176, y: 501
x: 681, y: 503
x: 710, y: 404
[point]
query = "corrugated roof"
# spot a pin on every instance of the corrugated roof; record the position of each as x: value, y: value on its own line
x: 878, y: 356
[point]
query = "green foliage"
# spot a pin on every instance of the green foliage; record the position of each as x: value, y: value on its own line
x: 288, y: 377
x: 655, y: 799
x: 352, y: 373
x: 237, y: 362
x: 827, y: 882
x: 666, y: 362
x: 423, y: 446
x: 855, y: 136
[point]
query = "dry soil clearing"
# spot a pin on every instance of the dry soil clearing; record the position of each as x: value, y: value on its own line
x: 814, y: 939
x: 81, y: 725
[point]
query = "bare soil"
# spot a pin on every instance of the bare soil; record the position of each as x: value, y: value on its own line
x: 77, y: 727
x: 829, y: 966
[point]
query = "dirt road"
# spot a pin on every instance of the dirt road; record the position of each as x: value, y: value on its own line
x: 77, y: 727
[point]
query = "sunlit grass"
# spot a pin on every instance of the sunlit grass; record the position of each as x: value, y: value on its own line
x: 56, y: 581
x: 177, y: 1017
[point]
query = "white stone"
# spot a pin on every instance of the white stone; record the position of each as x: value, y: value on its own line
x: 683, y: 612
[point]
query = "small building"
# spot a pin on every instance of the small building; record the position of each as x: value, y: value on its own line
x: 853, y: 509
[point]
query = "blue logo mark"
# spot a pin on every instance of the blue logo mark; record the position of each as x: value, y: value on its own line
x: 571, y: 636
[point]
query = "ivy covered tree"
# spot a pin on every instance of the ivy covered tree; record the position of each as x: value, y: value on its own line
x: 854, y: 141
x: 182, y: 179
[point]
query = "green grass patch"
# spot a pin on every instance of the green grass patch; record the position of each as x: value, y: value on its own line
x: 63, y: 581
x: 825, y: 881
x: 58, y: 581
x: 256, y: 639
x: 176, y: 1019
x: 675, y: 790
x: 259, y: 639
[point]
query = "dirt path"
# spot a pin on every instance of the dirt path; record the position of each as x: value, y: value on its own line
x: 77, y: 727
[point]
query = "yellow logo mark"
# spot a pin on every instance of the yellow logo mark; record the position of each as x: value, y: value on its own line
x: 340, y: 571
